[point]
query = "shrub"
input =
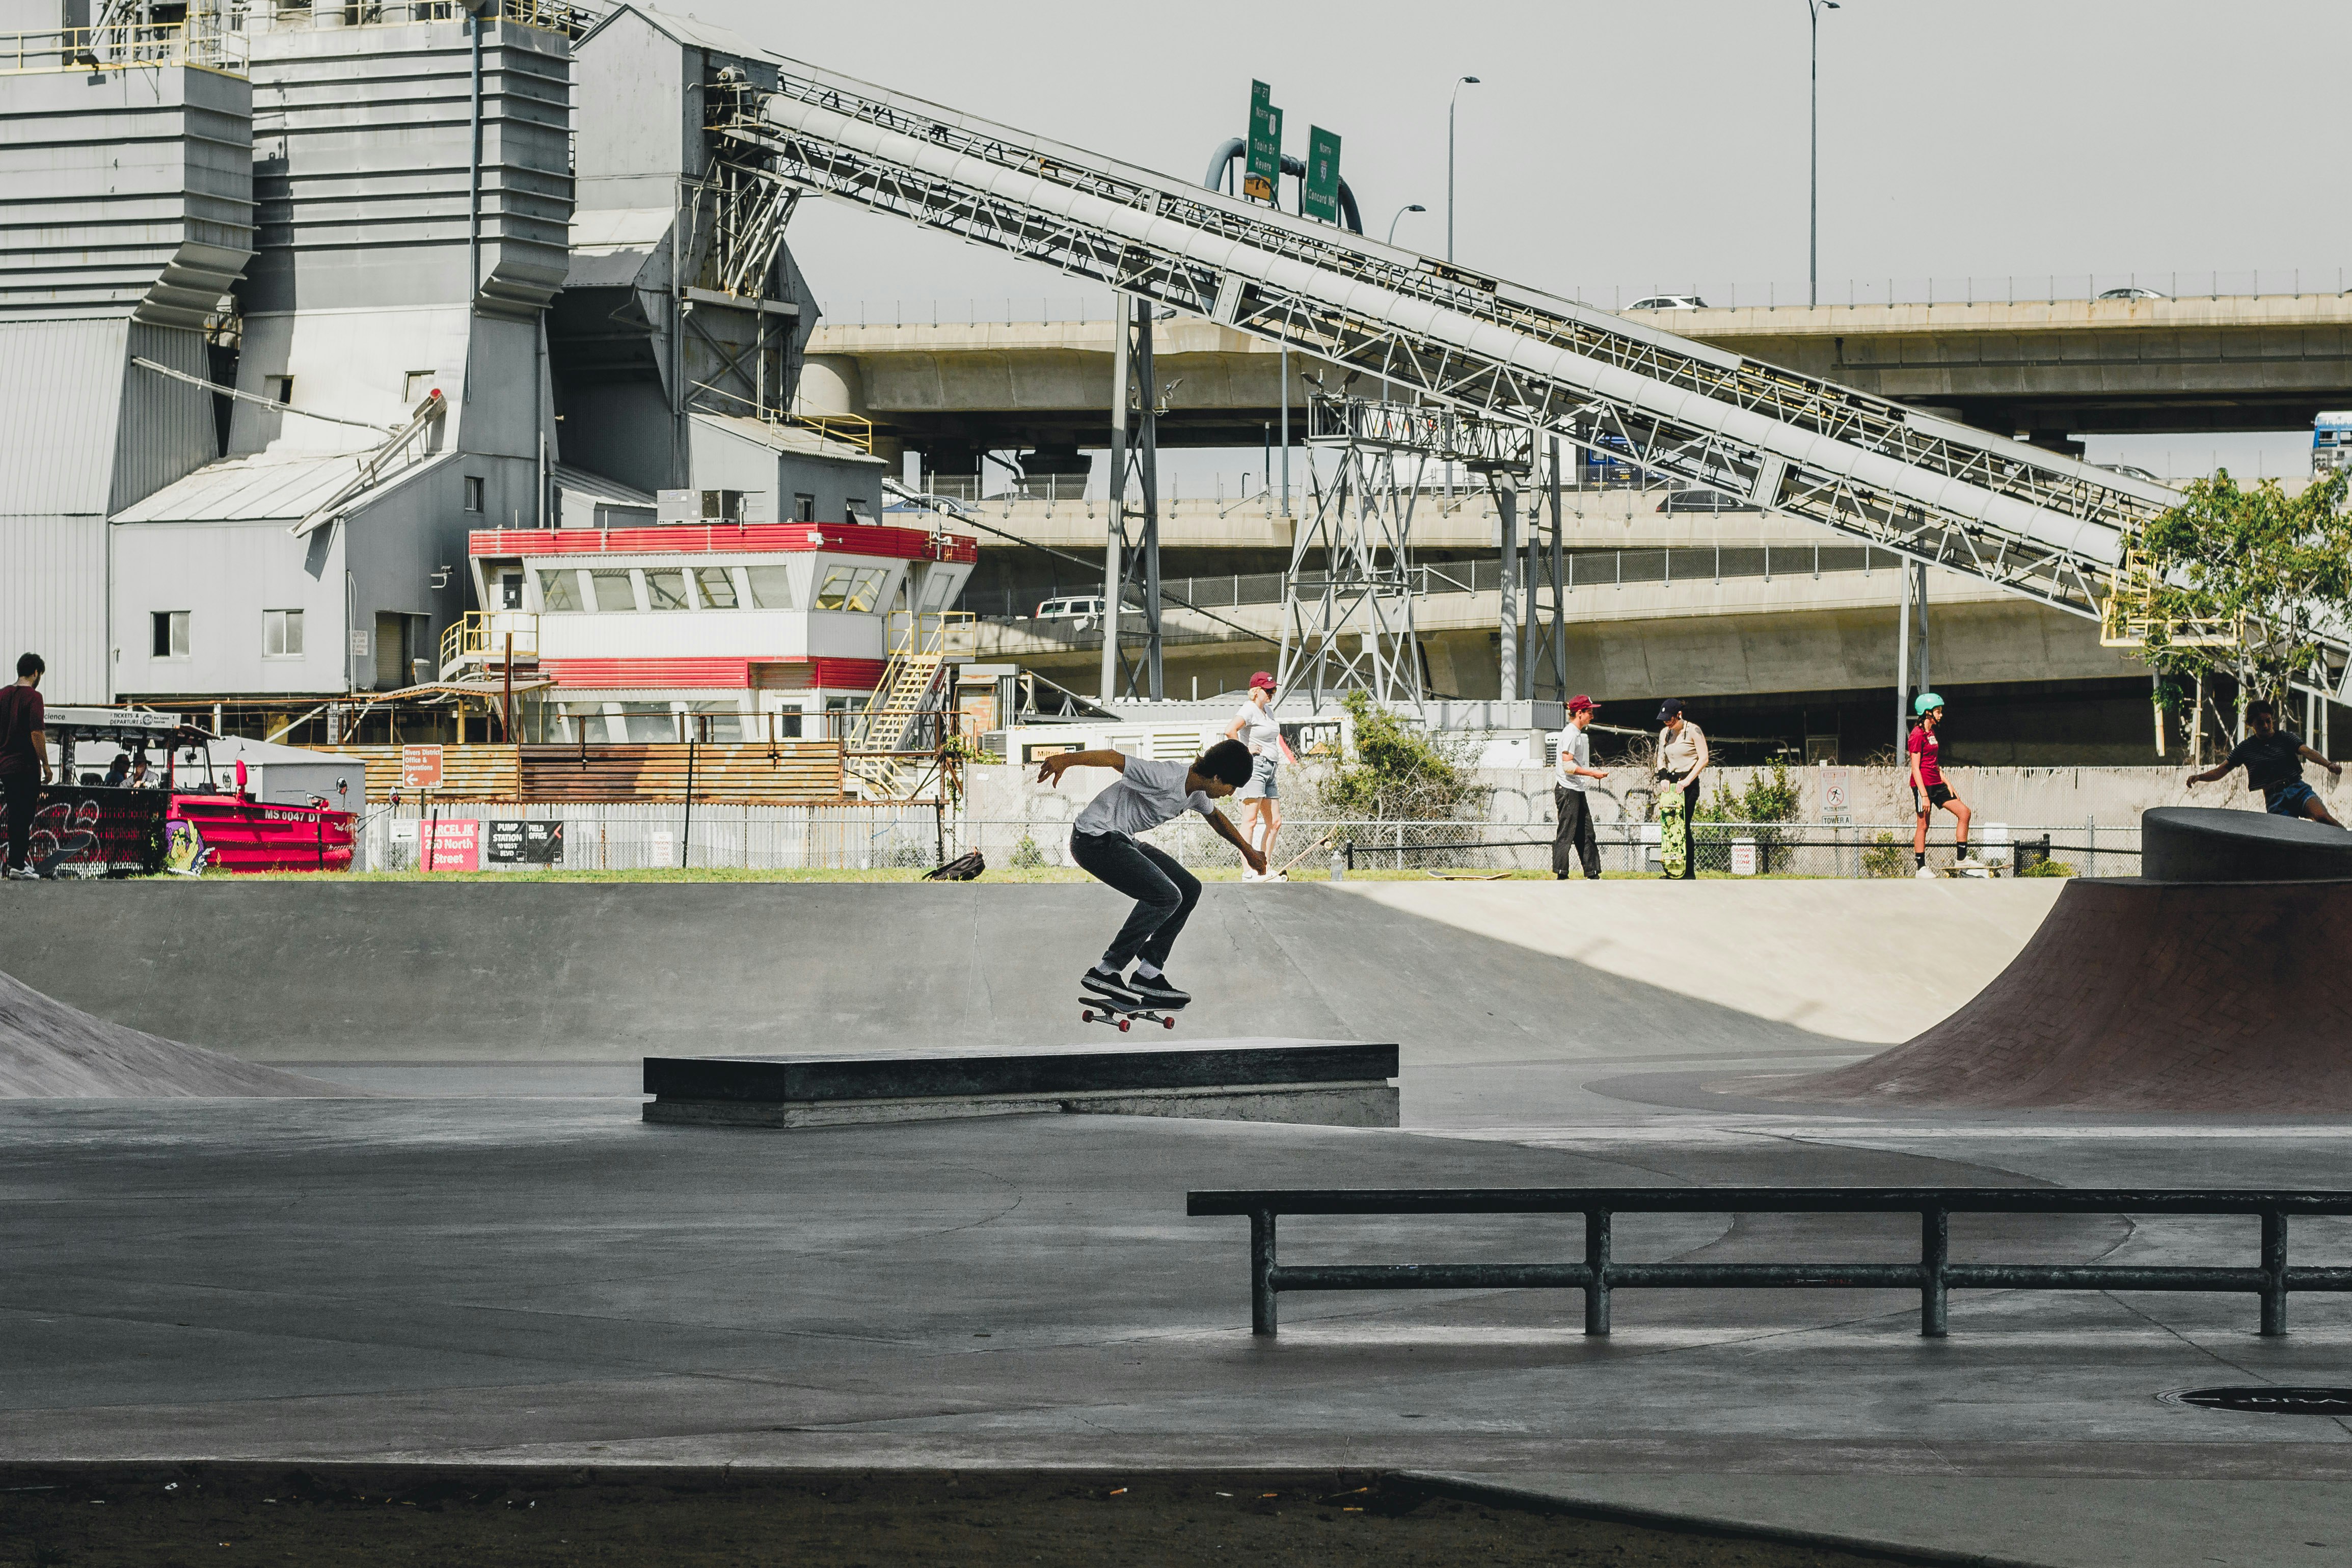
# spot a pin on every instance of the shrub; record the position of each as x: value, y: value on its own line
x: 2046, y: 867
x: 1399, y: 770
x: 1026, y: 856
x: 1886, y: 857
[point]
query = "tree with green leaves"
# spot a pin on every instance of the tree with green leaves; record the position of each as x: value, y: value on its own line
x: 1397, y: 769
x: 2246, y: 582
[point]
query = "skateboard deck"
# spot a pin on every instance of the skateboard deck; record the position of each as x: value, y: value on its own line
x: 1123, y: 1015
x: 1302, y: 854
x: 1674, y: 834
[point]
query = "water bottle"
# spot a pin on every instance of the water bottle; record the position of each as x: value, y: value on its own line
x: 1338, y: 864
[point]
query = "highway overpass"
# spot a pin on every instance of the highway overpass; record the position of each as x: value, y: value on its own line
x: 2044, y: 370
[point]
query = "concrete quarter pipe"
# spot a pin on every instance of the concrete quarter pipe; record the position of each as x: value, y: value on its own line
x: 2135, y: 996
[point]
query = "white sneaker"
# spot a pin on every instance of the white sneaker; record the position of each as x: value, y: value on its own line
x: 1968, y: 863
x: 23, y: 874
x: 1926, y: 873
x: 1250, y: 876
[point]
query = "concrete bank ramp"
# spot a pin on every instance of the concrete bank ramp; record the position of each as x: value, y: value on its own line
x: 578, y: 971
x: 2140, y: 996
x: 49, y: 1050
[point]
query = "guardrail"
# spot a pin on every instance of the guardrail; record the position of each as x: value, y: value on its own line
x: 1934, y: 1275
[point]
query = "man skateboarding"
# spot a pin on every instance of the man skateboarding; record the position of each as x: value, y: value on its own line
x: 1682, y: 757
x: 2273, y: 759
x: 1103, y: 840
x: 1929, y: 791
x: 1573, y: 806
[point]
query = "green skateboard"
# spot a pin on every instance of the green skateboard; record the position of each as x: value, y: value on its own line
x: 1674, y: 832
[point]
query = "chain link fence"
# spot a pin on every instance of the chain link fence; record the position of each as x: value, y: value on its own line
x: 1780, y: 849
x: 620, y: 836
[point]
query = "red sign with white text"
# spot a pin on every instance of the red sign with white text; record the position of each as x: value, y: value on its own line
x: 455, y: 846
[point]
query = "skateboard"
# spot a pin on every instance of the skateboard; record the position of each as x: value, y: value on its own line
x: 1103, y: 1010
x: 1674, y: 833
x: 1303, y: 854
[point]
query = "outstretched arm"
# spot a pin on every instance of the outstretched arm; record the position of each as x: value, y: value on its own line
x: 1225, y: 831
x: 2335, y: 768
x: 2219, y: 770
x: 1051, y: 769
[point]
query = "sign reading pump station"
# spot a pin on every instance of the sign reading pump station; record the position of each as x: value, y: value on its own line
x: 1264, y: 170
x: 1320, y: 194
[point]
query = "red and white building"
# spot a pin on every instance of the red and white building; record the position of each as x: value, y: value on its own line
x: 722, y: 631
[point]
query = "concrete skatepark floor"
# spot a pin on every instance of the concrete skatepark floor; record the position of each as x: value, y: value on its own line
x: 234, y: 1516
x: 549, y: 1281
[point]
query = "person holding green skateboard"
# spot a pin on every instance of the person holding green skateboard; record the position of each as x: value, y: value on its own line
x: 1682, y: 757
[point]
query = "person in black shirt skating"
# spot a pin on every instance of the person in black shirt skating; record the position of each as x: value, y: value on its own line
x: 2273, y: 759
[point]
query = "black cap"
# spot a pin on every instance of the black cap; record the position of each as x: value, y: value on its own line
x: 1672, y: 707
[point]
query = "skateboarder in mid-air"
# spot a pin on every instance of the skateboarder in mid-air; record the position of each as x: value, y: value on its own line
x: 2273, y: 758
x: 1103, y: 840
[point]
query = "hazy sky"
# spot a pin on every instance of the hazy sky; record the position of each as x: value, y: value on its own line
x: 1641, y: 146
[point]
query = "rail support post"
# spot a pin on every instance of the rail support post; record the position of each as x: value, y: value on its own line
x: 1596, y: 1261
x: 2273, y: 1273
x: 1935, y: 1253
x: 1262, y: 1272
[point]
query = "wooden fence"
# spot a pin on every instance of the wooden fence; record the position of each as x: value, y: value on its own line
x: 753, y: 773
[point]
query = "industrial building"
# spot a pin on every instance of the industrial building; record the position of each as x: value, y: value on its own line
x: 297, y: 299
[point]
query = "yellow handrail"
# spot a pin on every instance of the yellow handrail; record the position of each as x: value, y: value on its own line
x: 121, y: 45
x: 482, y: 634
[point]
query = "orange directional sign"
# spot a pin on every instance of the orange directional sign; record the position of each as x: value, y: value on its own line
x: 420, y: 767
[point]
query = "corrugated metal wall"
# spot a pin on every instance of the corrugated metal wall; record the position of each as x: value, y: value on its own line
x: 60, y: 395
x: 53, y: 601
x: 167, y: 430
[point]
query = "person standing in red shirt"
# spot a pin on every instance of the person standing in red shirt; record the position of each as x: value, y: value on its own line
x: 24, y: 760
x: 1929, y: 791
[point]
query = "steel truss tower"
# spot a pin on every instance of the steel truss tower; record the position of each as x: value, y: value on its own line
x: 1349, y: 626
x: 1131, y: 559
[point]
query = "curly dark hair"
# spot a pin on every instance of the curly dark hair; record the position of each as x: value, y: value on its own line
x: 1228, y: 761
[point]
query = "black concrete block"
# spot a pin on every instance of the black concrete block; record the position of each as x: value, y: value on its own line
x: 1075, y: 1070
x: 2206, y: 844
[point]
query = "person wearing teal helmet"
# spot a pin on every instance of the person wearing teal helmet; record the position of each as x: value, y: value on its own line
x: 1929, y: 791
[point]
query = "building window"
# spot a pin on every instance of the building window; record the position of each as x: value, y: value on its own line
x: 665, y: 590
x: 417, y: 383
x: 718, y: 586
x: 473, y: 493
x: 613, y: 590
x: 170, y: 631
x: 788, y: 723
x: 805, y: 508
x: 282, y: 634
x: 559, y: 589
x: 772, y: 586
x: 857, y: 510
x: 511, y: 590
x: 853, y: 588
x: 282, y: 389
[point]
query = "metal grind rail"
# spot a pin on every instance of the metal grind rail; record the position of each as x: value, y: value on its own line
x: 1934, y: 1275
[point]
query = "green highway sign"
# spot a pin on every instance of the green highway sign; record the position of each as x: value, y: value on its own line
x: 1321, y: 197
x: 1264, y: 172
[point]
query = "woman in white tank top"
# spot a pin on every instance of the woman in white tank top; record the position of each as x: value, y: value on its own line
x: 1255, y: 728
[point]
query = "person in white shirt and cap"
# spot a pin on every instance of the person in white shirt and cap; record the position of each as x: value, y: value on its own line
x: 1575, y: 837
x: 1103, y: 841
x: 1255, y: 728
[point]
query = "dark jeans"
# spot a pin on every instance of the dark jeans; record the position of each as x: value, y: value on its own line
x: 23, y: 792
x: 1575, y: 837
x: 1690, y: 839
x: 1163, y: 891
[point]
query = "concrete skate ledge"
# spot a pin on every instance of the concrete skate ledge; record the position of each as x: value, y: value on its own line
x: 2209, y: 844
x: 1332, y: 1083
x: 1371, y: 1104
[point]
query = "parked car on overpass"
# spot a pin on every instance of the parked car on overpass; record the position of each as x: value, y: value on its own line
x: 1669, y: 302
x: 2132, y: 292
x: 1079, y: 608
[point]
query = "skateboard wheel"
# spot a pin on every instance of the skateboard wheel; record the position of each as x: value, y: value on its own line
x: 1086, y: 1015
x: 1125, y: 1024
x: 1167, y: 1023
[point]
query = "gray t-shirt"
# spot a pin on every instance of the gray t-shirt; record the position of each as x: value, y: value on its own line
x: 1261, y: 732
x: 1575, y: 750
x: 1147, y: 794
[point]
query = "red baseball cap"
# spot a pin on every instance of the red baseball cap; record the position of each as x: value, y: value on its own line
x: 1580, y: 703
x: 1261, y: 679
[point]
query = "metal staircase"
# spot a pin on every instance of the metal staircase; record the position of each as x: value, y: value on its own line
x: 891, y: 742
x: 2024, y: 520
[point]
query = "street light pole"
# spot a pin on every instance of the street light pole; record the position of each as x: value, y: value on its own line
x: 1414, y: 207
x: 1451, y: 104
x: 1814, y: 211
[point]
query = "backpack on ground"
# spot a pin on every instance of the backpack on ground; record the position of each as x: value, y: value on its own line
x: 962, y: 869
